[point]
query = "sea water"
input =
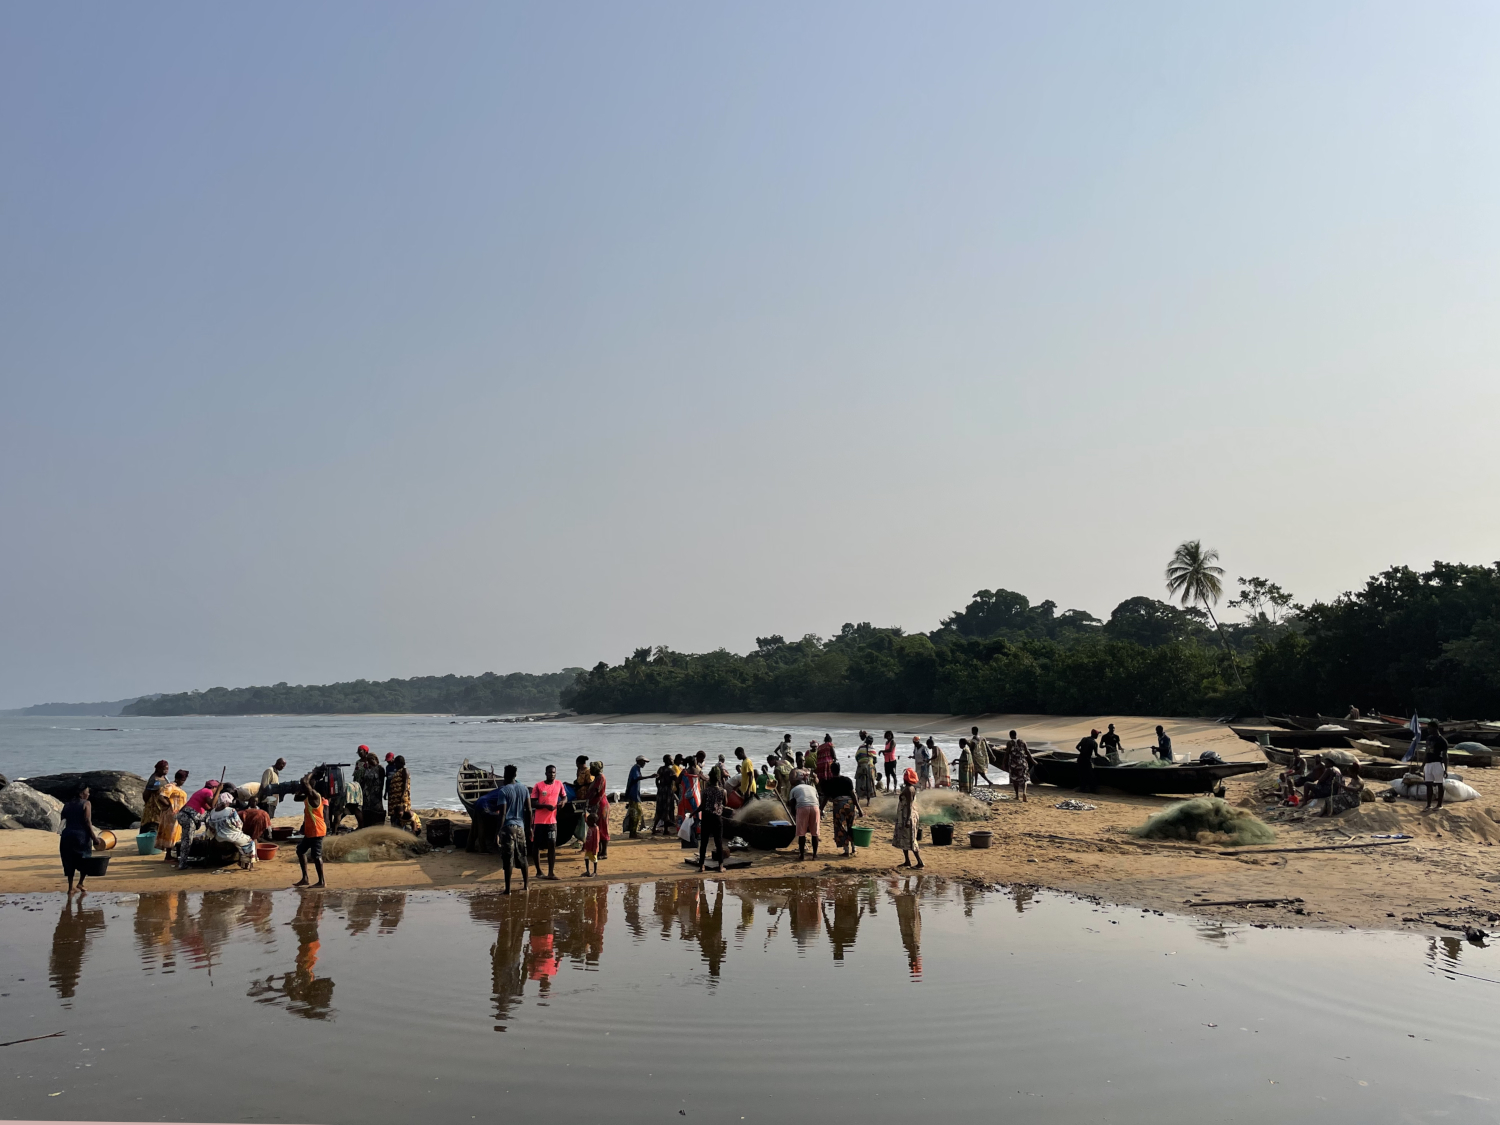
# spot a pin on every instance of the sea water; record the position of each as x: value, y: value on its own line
x: 856, y: 999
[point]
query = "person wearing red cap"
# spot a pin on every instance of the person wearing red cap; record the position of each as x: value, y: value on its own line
x: 1088, y: 746
x: 370, y: 775
x: 905, y: 836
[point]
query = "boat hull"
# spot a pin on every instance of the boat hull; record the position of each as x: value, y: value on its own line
x: 1142, y: 781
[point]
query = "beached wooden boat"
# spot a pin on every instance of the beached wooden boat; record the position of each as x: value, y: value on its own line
x: 1396, y: 746
x: 475, y: 780
x: 1300, y: 739
x: 1371, y: 770
x: 1061, y: 768
x: 764, y: 837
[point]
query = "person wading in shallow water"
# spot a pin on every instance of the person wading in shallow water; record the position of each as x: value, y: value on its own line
x: 313, y: 830
x: 907, y: 822
x: 546, y: 797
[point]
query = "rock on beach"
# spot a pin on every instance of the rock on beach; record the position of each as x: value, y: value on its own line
x: 21, y: 806
x: 115, y: 795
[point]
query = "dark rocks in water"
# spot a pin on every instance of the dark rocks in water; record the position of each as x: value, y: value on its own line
x: 21, y: 806
x: 115, y: 795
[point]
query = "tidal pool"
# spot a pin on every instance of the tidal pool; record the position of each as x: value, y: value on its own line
x: 853, y: 1000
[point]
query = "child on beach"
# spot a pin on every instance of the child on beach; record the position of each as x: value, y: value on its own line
x: 591, y: 846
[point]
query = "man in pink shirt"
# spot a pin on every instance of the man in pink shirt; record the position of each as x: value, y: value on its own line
x: 547, y: 797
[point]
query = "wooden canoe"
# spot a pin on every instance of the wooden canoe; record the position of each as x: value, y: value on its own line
x: 1061, y: 769
x: 475, y: 780
x: 1371, y: 770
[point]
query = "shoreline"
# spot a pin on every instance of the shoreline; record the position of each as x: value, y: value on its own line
x: 1435, y: 883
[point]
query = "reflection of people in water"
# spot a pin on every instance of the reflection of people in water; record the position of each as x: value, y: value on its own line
x: 909, y: 918
x: 76, y: 926
x: 711, y: 931
x: 846, y: 915
x: 305, y: 993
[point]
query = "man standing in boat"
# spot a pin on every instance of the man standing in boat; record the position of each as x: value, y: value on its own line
x: 1163, y: 747
x: 1109, y: 743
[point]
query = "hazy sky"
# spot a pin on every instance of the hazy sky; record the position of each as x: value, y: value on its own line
x: 371, y: 340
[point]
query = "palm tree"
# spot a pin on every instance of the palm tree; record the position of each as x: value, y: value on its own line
x: 1193, y: 575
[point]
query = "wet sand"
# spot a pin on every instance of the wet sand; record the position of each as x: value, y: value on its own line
x: 1441, y: 876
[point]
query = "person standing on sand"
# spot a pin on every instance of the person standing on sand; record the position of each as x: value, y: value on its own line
x: 1435, y: 767
x: 965, y: 766
x: 370, y: 776
x: 78, y: 838
x: 198, y: 806
x: 840, y: 791
x: 596, y: 799
x: 1109, y: 743
x: 747, y: 776
x: 864, y: 769
x: 635, y: 817
x: 151, y: 803
x: 547, y: 798
x: 784, y: 747
x: 690, y: 803
x: 1088, y: 746
x: 712, y: 823
x: 666, y: 782
x: 908, y: 822
x: 512, y: 811
x: 888, y: 757
x: 979, y: 748
x: 267, y: 797
x: 314, y: 829
x: 173, y: 798
x: 1018, y: 763
x: 805, y: 809
x: 783, y: 773
x: 937, y: 761
x: 924, y: 765
x: 398, y: 793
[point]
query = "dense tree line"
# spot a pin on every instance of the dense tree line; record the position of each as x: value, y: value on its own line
x: 489, y: 694
x: 1428, y: 641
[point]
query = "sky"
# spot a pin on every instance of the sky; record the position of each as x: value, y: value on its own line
x: 376, y: 340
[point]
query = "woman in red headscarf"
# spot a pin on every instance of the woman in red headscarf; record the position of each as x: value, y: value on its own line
x: 907, y: 822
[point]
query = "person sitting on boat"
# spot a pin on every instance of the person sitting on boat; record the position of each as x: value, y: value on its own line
x: 1353, y: 713
x: 1163, y: 747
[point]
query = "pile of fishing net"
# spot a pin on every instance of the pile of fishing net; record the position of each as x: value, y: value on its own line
x: 374, y: 845
x: 934, y: 806
x: 1206, y: 820
x: 762, y: 810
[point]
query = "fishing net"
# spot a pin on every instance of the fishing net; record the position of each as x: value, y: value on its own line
x: 762, y: 810
x: 934, y: 806
x: 1206, y: 820
x: 373, y: 845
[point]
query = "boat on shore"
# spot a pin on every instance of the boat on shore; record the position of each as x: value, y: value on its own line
x: 1371, y: 770
x: 1060, y: 768
x: 477, y: 779
x: 1297, y: 738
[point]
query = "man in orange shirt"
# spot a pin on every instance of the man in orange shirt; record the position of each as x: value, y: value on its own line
x: 314, y: 828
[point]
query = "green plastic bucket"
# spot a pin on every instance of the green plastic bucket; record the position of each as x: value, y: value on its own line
x: 861, y: 835
x: 145, y: 842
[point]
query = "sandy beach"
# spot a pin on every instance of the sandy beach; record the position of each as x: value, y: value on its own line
x: 1436, y: 882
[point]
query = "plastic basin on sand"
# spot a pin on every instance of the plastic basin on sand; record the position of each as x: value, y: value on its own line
x: 981, y: 838
x: 862, y: 835
x: 265, y: 851
x: 145, y: 842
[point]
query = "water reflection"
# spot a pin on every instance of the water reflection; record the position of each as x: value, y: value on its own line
x: 75, y: 931
x: 301, y: 991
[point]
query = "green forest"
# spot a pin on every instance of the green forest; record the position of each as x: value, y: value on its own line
x: 489, y: 694
x: 1427, y: 641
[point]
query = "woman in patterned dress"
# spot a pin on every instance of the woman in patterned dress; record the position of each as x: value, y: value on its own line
x: 1018, y: 762
x: 905, y: 836
x: 938, y: 759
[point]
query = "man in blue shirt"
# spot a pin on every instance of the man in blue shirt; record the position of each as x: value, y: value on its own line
x: 510, y: 805
x: 635, y: 817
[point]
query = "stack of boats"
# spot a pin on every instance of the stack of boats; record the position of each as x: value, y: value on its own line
x: 1378, y: 743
